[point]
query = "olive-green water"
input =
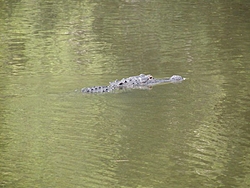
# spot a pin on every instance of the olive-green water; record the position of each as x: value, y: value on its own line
x: 192, y: 134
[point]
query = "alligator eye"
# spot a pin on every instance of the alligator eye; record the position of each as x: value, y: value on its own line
x: 125, y: 81
x: 150, y: 77
x: 100, y: 87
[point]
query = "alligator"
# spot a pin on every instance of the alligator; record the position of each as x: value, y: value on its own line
x: 141, y: 81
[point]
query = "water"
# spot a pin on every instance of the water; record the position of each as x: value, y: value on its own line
x: 192, y: 134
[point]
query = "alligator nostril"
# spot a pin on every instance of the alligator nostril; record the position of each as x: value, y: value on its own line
x: 120, y: 83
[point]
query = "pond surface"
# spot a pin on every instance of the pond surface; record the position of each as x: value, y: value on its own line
x: 192, y: 134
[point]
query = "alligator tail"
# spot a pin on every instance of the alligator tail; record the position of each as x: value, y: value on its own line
x: 97, y: 89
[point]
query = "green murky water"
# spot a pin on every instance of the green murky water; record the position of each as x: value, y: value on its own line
x: 192, y: 134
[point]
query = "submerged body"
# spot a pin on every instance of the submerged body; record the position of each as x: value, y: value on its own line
x: 140, y: 81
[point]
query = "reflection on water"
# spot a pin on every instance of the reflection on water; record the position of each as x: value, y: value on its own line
x: 191, y: 134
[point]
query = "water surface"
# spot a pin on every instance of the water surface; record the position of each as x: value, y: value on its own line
x: 191, y: 134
